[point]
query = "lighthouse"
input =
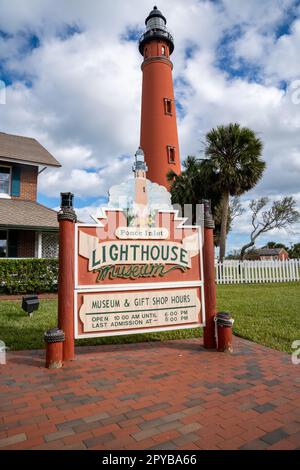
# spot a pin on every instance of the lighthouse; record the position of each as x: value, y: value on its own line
x: 141, y: 210
x: 159, y: 137
x: 139, y: 169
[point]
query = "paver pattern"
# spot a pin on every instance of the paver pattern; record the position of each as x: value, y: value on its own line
x: 160, y: 395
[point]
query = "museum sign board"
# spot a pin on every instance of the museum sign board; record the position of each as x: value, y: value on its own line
x: 133, y: 279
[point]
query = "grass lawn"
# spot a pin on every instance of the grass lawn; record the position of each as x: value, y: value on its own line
x: 266, y: 313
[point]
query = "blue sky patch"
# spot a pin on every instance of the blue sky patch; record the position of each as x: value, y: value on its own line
x: 48, y: 201
x: 29, y: 42
x: 79, y: 202
x: 124, y: 157
x: 227, y: 62
x: 190, y: 50
x: 68, y: 30
x: 4, y: 76
x: 180, y: 111
x: 284, y: 27
x: 5, y: 35
x: 242, y: 69
x: 132, y: 34
x: 11, y: 77
x: 34, y: 41
x: 283, y: 85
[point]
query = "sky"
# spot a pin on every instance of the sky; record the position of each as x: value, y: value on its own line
x: 73, y: 81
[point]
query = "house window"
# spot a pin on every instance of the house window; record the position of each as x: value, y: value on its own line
x: 5, y: 181
x: 146, y: 53
x: 163, y: 50
x: 49, y: 242
x: 171, y: 154
x: 168, y: 106
x: 3, y: 243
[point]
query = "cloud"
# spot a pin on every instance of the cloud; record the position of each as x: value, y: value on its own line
x: 84, y: 214
x: 123, y: 195
x: 84, y: 183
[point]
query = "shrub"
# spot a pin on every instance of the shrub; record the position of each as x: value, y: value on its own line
x: 28, y: 275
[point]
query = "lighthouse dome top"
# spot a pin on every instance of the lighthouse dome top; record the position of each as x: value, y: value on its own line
x: 155, y: 13
x: 139, y: 154
x: 156, y: 30
x: 139, y: 163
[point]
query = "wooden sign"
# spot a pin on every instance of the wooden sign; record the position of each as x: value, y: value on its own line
x: 133, y: 279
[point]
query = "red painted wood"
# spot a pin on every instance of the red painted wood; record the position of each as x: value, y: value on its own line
x: 209, y: 340
x: 54, y: 355
x: 224, y: 339
x: 66, y: 286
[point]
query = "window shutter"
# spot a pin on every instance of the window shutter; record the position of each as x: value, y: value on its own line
x: 15, y: 183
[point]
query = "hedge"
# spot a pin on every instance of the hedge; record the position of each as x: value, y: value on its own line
x: 28, y: 275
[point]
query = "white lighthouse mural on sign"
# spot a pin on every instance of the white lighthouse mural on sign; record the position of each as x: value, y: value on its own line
x: 139, y: 197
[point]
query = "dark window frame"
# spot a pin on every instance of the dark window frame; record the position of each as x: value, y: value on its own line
x: 168, y: 104
x: 5, y: 251
x: 171, y: 154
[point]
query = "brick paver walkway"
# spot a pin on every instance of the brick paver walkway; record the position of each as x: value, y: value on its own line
x: 169, y: 395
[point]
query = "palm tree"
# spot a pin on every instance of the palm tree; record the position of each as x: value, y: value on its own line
x: 234, y: 164
x: 193, y: 185
x: 186, y: 186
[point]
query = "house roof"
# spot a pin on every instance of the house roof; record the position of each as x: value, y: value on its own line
x: 27, y: 215
x: 25, y: 149
x: 269, y: 251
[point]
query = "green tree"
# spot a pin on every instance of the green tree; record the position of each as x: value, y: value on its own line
x: 193, y: 185
x: 234, y: 165
x: 281, y: 215
x: 275, y: 245
x: 294, y: 251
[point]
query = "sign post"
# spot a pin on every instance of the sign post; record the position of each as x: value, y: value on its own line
x: 209, y: 337
x: 67, y: 218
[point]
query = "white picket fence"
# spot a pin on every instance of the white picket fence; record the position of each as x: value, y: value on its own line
x: 239, y: 272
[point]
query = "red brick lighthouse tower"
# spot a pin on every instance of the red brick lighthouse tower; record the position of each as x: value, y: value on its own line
x: 159, y: 138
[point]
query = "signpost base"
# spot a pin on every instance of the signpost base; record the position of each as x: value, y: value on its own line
x: 54, y: 339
